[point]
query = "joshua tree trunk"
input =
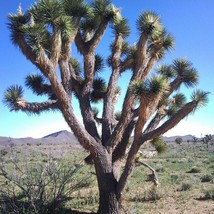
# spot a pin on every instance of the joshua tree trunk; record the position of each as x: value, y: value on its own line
x: 109, y: 203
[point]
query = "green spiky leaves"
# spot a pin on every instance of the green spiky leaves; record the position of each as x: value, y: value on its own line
x: 200, y: 97
x: 99, y: 63
x: 106, y: 10
x: 117, y: 115
x: 98, y: 90
x: 75, y: 65
x: 13, y: 97
x: 155, y: 87
x: 15, y: 25
x: 47, y: 11
x: 184, y: 70
x: 166, y: 70
x: 37, y: 84
x: 76, y: 8
x: 121, y: 28
x: 149, y: 24
x: 174, y: 104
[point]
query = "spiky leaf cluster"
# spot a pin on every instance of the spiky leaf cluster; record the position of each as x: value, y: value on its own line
x: 117, y: 115
x: 174, y: 104
x: 166, y: 70
x: 77, y: 8
x: 121, y: 28
x: 149, y: 24
x: 160, y: 44
x: 12, y: 96
x: 99, y: 63
x: 184, y: 70
x: 15, y: 25
x: 47, y: 11
x: 156, y: 86
x: 37, y: 84
x: 75, y: 65
x: 200, y: 97
x: 98, y: 90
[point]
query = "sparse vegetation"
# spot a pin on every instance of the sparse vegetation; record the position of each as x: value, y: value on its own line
x: 194, y: 169
x: 209, y: 194
x: 46, y: 35
x: 38, y: 187
x: 185, y: 186
x: 206, y: 178
x: 171, y: 168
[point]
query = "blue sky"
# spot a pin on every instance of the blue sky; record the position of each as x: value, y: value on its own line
x: 191, y: 23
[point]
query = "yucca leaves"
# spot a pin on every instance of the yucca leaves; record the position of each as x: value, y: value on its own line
x: 12, y: 96
x: 200, y: 97
x: 37, y: 84
x: 174, y: 104
x: 179, y: 100
x: 47, y: 11
x: 15, y: 25
x: 121, y: 28
x: 166, y: 70
x: 98, y: 89
x: 66, y: 26
x: 37, y: 37
x: 155, y: 86
x: 99, y: 84
x: 149, y: 24
x: 99, y: 63
x: 76, y: 8
x: 160, y: 43
x: 117, y: 115
x: 184, y: 70
x: 75, y: 65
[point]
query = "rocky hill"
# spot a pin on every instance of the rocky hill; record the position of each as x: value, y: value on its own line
x: 64, y: 136
x: 60, y: 137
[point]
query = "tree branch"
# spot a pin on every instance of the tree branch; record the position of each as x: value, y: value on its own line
x: 108, y: 110
x: 169, y: 124
x: 36, y: 107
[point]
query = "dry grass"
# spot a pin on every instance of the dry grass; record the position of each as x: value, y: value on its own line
x: 173, y: 196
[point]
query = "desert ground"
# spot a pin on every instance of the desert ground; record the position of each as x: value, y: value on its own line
x: 185, y: 172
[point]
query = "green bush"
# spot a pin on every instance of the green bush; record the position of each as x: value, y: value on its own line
x: 178, y: 140
x: 159, y: 145
x: 209, y: 194
x: 39, y: 187
x: 194, y: 169
x: 206, y: 178
x: 185, y: 186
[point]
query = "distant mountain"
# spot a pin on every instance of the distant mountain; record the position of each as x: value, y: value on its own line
x: 172, y: 138
x: 67, y: 137
x: 54, y: 138
x: 61, y: 137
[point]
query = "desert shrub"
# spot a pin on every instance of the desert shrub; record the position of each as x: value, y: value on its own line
x: 206, y: 178
x: 209, y: 194
x: 3, y: 152
x: 185, y: 186
x: 39, y: 187
x: 159, y: 145
x: 194, y: 169
x: 151, y: 194
x: 178, y: 140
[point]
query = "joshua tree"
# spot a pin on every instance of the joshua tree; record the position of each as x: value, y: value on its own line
x: 207, y: 138
x: 45, y: 34
x: 178, y: 140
